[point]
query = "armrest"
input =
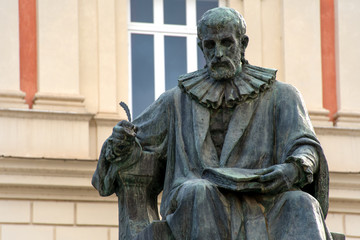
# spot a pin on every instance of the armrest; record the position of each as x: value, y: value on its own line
x: 338, y: 236
x: 137, y: 197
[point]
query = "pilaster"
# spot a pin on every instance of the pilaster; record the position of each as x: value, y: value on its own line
x: 58, y: 56
x: 10, y: 94
x: 302, y: 55
x: 348, y: 65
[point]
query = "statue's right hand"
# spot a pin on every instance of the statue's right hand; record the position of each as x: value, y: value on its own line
x: 122, y: 140
x: 124, y: 132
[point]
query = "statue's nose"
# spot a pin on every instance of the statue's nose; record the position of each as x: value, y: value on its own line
x: 219, y: 53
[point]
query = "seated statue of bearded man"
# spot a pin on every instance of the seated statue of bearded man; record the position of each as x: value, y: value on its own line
x: 239, y: 156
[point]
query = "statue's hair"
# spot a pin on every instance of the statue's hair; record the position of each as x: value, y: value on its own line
x: 221, y: 16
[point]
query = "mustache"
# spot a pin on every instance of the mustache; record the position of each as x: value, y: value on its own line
x: 224, y: 62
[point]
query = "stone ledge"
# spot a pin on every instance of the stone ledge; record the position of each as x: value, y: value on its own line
x: 320, y: 117
x: 61, y: 102
x: 343, y: 131
x: 32, y: 166
x: 37, y: 133
x: 61, y: 177
x: 12, y: 99
x: 48, y: 179
x: 340, y: 145
x: 44, y: 114
x: 344, y: 193
x: 345, y: 118
x: 342, y: 180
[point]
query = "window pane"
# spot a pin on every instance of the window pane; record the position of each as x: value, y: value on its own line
x: 201, y: 59
x: 142, y: 11
x: 175, y: 60
x: 174, y: 12
x: 203, y: 5
x: 142, y: 63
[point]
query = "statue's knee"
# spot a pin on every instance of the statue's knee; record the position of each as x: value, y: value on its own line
x: 198, y: 187
x: 301, y: 199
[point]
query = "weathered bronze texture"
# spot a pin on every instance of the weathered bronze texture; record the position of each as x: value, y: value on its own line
x: 232, y: 149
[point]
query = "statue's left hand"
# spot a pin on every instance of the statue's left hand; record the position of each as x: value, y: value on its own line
x: 278, y: 178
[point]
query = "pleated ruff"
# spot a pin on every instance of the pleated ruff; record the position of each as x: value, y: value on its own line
x: 212, y: 93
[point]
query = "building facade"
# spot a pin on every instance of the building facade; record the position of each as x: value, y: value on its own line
x: 65, y: 66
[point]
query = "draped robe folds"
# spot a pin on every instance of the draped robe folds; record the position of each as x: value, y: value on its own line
x: 272, y: 128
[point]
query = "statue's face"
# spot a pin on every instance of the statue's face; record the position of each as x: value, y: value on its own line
x: 222, y: 51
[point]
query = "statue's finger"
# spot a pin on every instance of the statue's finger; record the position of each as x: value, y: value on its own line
x: 135, y: 128
x: 126, y: 124
x: 263, y: 171
x: 123, y: 142
x: 120, y: 132
x: 269, y: 176
x: 122, y: 150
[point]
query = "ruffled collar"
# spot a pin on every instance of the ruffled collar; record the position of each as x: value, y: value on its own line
x: 251, y: 81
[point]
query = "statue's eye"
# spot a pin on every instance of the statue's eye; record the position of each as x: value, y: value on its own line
x: 227, y: 42
x: 209, y: 44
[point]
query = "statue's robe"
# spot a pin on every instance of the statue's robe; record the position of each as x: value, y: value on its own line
x: 269, y: 126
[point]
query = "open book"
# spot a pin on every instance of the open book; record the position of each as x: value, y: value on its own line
x: 235, y: 179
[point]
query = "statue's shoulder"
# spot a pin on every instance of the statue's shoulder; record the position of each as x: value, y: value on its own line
x: 286, y: 92
x: 168, y: 97
x: 283, y: 87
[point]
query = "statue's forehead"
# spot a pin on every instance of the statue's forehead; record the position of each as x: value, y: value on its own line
x: 218, y: 30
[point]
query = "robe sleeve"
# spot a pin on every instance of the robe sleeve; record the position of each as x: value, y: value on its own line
x: 295, y: 138
x: 152, y: 137
x: 296, y: 141
x: 306, y: 159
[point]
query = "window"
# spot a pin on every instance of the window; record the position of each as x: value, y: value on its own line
x: 163, y: 45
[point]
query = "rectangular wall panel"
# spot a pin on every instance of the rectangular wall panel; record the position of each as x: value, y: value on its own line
x: 58, y: 46
x: 348, y: 54
x: 108, y: 100
x: 9, y: 45
x: 302, y: 49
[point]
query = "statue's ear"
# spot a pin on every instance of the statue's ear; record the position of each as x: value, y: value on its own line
x: 200, y: 45
x: 244, y: 41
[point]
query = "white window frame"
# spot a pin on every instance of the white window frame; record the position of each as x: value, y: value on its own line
x: 159, y: 30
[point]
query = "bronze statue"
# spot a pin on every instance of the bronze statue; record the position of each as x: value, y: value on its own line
x: 232, y: 149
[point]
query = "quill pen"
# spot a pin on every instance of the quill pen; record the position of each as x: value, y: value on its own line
x: 128, y: 114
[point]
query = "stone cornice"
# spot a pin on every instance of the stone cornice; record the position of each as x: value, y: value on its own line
x: 343, y: 131
x: 44, y: 114
x: 105, y: 119
x: 344, y: 192
x: 70, y: 180
x: 48, y: 178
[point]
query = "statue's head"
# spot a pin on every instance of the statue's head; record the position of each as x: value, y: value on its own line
x: 221, y: 33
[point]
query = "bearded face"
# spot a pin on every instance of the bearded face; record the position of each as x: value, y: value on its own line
x: 222, y: 50
x: 224, y: 68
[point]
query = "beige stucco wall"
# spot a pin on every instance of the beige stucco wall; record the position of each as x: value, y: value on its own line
x: 48, y: 154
